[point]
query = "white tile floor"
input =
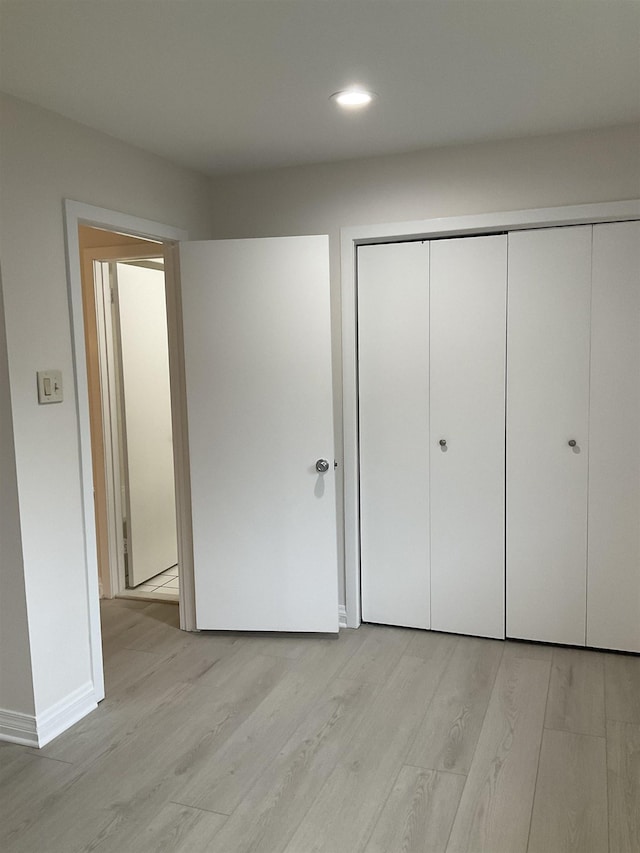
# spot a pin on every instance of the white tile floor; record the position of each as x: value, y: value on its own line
x: 164, y: 587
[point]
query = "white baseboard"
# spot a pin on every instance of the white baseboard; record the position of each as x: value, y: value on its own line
x: 61, y: 716
x: 38, y: 729
x: 342, y: 616
x: 16, y: 727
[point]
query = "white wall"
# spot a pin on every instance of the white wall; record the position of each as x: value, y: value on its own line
x: 16, y: 692
x: 572, y: 168
x: 45, y: 158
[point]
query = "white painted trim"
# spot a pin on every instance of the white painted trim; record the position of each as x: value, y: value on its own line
x: 65, y: 713
x: 110, y: 437
x: 394, y: 232
x: 16, y: 727
x: 38, y: 729
x: 180, y: 437
x: 342, y: 616
x: 77, y: 213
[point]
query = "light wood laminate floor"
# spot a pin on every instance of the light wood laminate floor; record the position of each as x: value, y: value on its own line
x: 387, y: 740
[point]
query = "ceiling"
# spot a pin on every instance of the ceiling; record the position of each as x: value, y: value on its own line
x: 236, y: 85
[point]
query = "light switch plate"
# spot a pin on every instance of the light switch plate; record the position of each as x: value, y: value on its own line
x: 49, y: 386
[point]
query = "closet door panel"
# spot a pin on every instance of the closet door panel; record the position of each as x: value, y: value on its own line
x: 613, y: 593
x: 468, y: 330
x: 547, y: 406
x: 393, y: 354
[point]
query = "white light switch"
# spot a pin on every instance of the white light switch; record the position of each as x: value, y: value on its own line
x: 49, y: 386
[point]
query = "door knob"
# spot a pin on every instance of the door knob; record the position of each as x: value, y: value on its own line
x: 322, y: 466
x: 572, y: 442
x: 443, y: 442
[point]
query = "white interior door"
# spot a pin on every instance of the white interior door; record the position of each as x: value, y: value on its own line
x: 468, y: 335
x: 393, y: 365
x: 256, y: 322
x: 613, y: 594
x: 146, y: 414
x: 547, y: 408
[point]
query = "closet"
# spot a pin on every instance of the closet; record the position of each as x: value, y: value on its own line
x: 573, y: 436
x: 447, y: 529
x: 431, y: 351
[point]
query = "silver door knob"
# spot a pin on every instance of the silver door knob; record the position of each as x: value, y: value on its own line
x: 572, y: 442
x: 443, y: 442
x: 322, y: 466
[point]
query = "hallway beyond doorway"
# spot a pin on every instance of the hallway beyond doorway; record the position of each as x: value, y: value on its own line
x: 162, y: 587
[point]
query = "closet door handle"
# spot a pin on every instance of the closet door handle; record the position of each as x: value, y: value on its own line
x: 443, y: 442
x: 572, y: 442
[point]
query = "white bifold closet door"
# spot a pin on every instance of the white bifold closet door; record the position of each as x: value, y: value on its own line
x: 547, y: 433
x: 613, y: 589
x: 393, y: 355
x: 468, y: 282
x: 431, y: 368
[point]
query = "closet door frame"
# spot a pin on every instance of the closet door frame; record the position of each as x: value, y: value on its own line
x: 351, y: 238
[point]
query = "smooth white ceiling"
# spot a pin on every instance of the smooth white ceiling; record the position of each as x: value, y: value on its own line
x: 244, y: 84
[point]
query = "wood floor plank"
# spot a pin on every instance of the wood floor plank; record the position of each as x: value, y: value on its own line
x: 124, y: 619
x: 25, y: 796
x: 419, y: 812
x: 178, y: 829
x: 291, y: 648
x: 117, y: 613
x: 449, y: 733
x: 270, y: 812
x: 127, y: 666
x: 570, y: 806
x: 156, y: 635
x: 151, y: 686
x: 576, y: 692
x: 13, y: 759
x: 348, y: 806
x: 622, y: 687
x: 380, y: 651
x: 495, y: 809
x: 623, y: 776
x: 523, y: 649
x: 432, y: 645
x: 113, y: 722
x: 255, y: 743
x: 182, y: 657
x: 137, y: 776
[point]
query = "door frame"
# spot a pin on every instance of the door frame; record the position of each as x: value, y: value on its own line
x: 398, y: 232
x: 115, y: 573
x: 78, y: 213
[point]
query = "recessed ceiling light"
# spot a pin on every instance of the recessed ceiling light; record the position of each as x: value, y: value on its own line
x: 354, y: 97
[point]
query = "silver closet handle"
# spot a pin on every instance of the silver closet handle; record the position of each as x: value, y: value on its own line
x: 443, y: 442
x: 572, y: 442
x: 322, y: 466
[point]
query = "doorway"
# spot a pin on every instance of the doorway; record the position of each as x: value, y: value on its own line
x: 124, y: 301
x: 78, y: 213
